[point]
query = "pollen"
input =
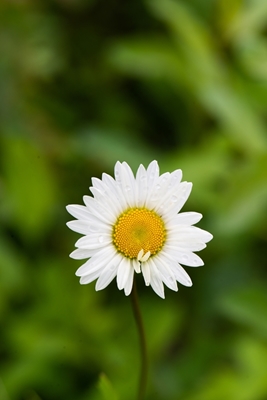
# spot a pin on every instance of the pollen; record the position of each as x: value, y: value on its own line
x: 137, y: 229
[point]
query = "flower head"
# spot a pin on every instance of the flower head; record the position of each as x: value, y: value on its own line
x: 134, y: 224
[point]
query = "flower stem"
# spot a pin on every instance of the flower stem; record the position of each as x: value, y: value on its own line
x: 142, y: 338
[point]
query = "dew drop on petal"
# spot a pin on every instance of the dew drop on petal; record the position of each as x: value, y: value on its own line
x: 101, y: 239
x: 117, y: 176
x: 127, y: 189
x: 174, y: 199
x: 143, y: 178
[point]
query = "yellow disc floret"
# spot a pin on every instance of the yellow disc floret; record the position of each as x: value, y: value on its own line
x: 137, y: 229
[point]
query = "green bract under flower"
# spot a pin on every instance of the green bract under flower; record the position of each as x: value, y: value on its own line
x: 133, y: 224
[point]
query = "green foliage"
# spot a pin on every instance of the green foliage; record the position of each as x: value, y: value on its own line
x: 84, y: 84
x: 106, y: 388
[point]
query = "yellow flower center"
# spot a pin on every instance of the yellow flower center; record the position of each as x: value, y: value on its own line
x: 137, y: 229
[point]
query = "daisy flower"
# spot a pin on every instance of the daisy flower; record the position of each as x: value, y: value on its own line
x: 133, y: 224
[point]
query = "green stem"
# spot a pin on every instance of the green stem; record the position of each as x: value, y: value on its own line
x: 142, y: 338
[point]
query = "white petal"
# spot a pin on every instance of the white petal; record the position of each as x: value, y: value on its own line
x: 110, y: 206
x: 123, y: 273
x: 189, y: 245
x: 117, y: 173
x: 190, y: 233
x: 136, y: 265
x: 146, y: 272
x: 157, y: 192
x: 177, y: 271
x: 87, y: 227
x: 128, y: 184
x: 176, y: 177
x: 185, y: 218
x: 177, y: 200
x: 174, y: 197
x: 97, y: 261
x: 145, y: 257
x: 129, y: 283
x: 155, y: 281
x: 142, y: 186
x: 152, y: 173
x: 140, y: 254
x: 166, y: 272
x: 97, y: 209
x: 115, y: 192
x: 108, y: 273
x: 98, y: 184
x: 181, y: 275
x: 79, y: 212
x: 184, y: 257
x: 131, y: 181
x: 79, y: 226
x: 84, y: 280
x: 94, y: 241
x: 80, y: 254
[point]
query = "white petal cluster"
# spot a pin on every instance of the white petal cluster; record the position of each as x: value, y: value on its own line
x: 165, y: 195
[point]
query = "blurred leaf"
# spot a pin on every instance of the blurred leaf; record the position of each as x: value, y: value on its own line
x: 147, y: 57
x: 208, y: 79
x: 3, y: 392
x: 192, y: 36
x: 244, y: 380
x: 106, y: 388
x: 250, y: 19
x: 247, y: 306
x: 29, y: 187
x: 107, y: 147
x: 253, y: 55
x: 244, y: 203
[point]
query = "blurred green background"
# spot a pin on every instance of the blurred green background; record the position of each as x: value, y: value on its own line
x: 84, y: 83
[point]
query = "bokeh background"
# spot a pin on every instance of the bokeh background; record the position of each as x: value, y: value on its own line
x: 84, y: 83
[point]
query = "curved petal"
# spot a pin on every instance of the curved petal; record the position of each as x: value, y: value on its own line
x: 105, y: 200
x: 115, y: 191
x: 166, y: 272
x: 124, y: 272
x: 158, y: 191
x: 94, y: 241
x: 84, y: 280
x: 108, y: 273
x: 136, y: 265
x: 129, y: 283
x: 190, y: 233
x: 152, y: 173
x: 155, y: 281
x: 181, y: 275
x: 185, y: 218
x: 87, y: 228
x: 80, y: 254
x: 184, y: 257
x: 142, y: 185
x: 177, y: 200
x: 146, y: 272
x: 96, y: 262
x: 79, y: 212
x: 96, y: 208
x: 127, y: 183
